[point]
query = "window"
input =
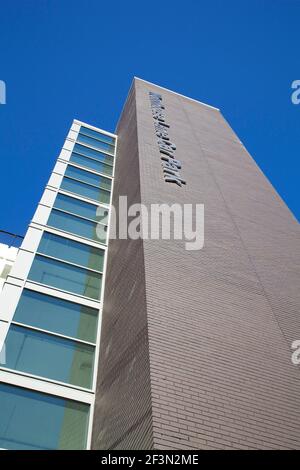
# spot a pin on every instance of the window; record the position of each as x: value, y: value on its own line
x: 55, y: 423
x: 88, y: 177
x: 96, y: 143
x: 57, y: 315
x: 77, y: 226
x: 50, y: 356
x: 85, y: 190
x: 97, y: 135
x: 81, y: 208
x: 88, y: 152
x: 71, y: 251
x: 66, y: 277
x: 91, y: 164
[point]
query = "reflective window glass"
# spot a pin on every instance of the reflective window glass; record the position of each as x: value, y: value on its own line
x: 97, y: 135
x: 96, y: 143
x: 71, y: 251
x: 91, y: 164
x: 57, y: 315
x: 65, y: 277
x: 77, y: 226
x: 102, y: 157
x: 88, y: 177
x: 81, y: 208
x: 49, y: 356
x: 55, y: 423
x: 85, y: 190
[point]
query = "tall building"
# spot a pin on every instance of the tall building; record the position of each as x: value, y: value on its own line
x: 140, y: 343
x: 51, y: 302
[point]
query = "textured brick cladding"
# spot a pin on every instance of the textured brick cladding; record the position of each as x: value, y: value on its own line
x: 123, y: 414
x: 220, y: 320
x: 196, y: 345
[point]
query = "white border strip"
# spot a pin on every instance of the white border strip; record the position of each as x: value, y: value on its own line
x: 175, y: 93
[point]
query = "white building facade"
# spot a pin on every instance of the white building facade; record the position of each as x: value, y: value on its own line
x: 51, y: 301
x: 8, y: 256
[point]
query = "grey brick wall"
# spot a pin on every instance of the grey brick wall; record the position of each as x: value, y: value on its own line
x: 123, y: 417
x: 219, y: 321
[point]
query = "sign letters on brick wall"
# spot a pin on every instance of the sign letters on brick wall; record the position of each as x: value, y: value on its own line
x: 170, y: 164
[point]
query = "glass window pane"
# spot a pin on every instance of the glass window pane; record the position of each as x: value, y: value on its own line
x: 57, y: 315
x: 102, y: 157
x: 65, y: 277
x: 85, y: 190
x: 96, y: 143
x: 69, y: 250
x: 81, y: 208
x: 49, y: 356
x: 97, y: 135
x: 55, y: 423
x: 92, y: 164
x: 88, y: 177
x: 82, y: 227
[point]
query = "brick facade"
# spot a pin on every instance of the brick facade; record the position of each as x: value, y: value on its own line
x: 196, y: 345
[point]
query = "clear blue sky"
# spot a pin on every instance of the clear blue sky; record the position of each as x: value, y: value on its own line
x: 65, y: 59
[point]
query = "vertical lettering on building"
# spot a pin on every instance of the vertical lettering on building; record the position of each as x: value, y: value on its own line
x: 167, y: 148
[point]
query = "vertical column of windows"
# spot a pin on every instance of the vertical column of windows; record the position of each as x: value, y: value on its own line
x: 50, y: 337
